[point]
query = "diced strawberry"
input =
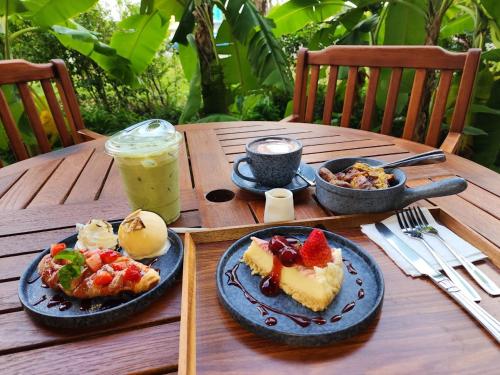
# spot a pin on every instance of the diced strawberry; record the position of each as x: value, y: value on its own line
x: 132, y: 273
x: 109, y: 256
x: 56, y: 248
x: 103, y: 278
x: 315, y: 251
x: 118, y: 266
x: 94, y: 262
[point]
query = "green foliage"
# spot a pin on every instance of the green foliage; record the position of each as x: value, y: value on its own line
x: 295, y: 14
x: 130, y: 70
x: 46, y: 13
x: 138, y: 37
x: 191, y: 66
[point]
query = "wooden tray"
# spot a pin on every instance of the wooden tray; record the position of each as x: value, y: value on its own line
x: 419, y: 328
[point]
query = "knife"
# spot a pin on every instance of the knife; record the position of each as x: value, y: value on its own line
x: 491, y: 324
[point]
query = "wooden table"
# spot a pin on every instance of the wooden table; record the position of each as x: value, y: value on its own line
x: 42, y: 198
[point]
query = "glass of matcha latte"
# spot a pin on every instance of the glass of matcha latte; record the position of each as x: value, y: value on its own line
x: 147, y: 157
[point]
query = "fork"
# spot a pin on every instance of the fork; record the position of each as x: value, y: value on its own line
x: 484, y: 281
x: 410, y: 228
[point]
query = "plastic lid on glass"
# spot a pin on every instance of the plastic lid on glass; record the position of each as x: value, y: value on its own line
x: 145, y: 138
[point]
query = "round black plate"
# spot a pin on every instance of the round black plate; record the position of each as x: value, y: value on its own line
x: 102, y: 310
x: 296, y: 185
x: 286, y: 330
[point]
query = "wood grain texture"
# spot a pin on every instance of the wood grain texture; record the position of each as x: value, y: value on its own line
x: 473, y: 216
x: 305, y: 206
x: 211, y: 171
x: 34, y: 117
x: 117, y: 353
x: 350, y: 96
x: 32, y: 242
x: 440, y: 100
x: 90, y: 181
x: 465, y: 90
x: 57, y: 188
x: 410, y: 308
x: 56, y: 112
x: 13, y: 135
x: 299, y: 94
x: 187, y: 341
x: 25, y: 188
x: 225, y: 347
x: 28, y: 220
x: 370, y: 102
x: 313, y: 90
x: 22, y: 73
x: 6, y: 182
x: 397, y: 58
x: 19, y: 332
x: 388, y: 57
x: 330, y: 94
x: 391, y: 101
x: 415, y: 103
x: 9, y: 301
x: 347, y: 145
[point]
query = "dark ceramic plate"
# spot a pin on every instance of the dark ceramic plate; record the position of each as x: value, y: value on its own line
x: 296, y: 185
x: 97, y: 311
x: 287, y: 328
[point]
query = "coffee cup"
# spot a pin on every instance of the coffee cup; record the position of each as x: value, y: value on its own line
x: 272, y: 160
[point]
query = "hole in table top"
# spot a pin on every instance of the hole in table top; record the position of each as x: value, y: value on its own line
x: 220, y: 195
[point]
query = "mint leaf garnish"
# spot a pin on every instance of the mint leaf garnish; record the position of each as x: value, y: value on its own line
x: 72, y: 270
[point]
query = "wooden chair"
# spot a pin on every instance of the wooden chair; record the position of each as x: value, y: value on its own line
x: 20, y: 73
x: 421, y: 58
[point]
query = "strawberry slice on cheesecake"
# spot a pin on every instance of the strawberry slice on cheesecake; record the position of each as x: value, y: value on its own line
x: 310, y: 273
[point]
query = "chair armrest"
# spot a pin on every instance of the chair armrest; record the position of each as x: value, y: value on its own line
x: 291, y: 118
x: 89, y: 135
x: 451, y: 142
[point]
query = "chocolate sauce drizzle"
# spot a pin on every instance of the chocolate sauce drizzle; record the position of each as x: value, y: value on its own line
x: 43, y: 298
x: 300, y: 320
x: 350, y: 267
x: 361, y: 293
x: 34, y: 280
x: 232, y: 279
x: 61, y: 301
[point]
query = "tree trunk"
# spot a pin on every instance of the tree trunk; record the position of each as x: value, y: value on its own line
x: 433, y: 27
x: 213, y: 89
x: 262, y: 6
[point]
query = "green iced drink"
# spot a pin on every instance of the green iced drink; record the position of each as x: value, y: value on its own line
x: 147, y: 157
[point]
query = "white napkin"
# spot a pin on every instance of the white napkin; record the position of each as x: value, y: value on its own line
x: 458, y: 244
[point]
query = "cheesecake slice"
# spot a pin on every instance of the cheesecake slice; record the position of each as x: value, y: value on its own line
x: 314, y: 287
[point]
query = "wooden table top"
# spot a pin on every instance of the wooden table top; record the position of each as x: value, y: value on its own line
x: 42, y: 198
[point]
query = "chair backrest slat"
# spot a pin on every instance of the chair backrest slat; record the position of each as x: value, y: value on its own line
x: 299, y: 94
x: 415, y: 103
x: 330, y: 94
x: 370, y: 99
x: 313, y: 89
x: 11, y: 129
x: 391, y: 101
x: 439, y: 108
x: 350, y: 93
x: 425, y: 60
x: 56, y: 112
x: 68, y: 93
x: 34, y: 117
x: 67, y: 111
x: 464, y: 92
x: 22, y: 73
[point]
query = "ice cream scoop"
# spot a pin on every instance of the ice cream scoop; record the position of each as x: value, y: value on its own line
x: 143, y: 234
x: 96, y: 234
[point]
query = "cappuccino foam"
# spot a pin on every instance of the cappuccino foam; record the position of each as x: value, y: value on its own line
x: 274, y: 146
